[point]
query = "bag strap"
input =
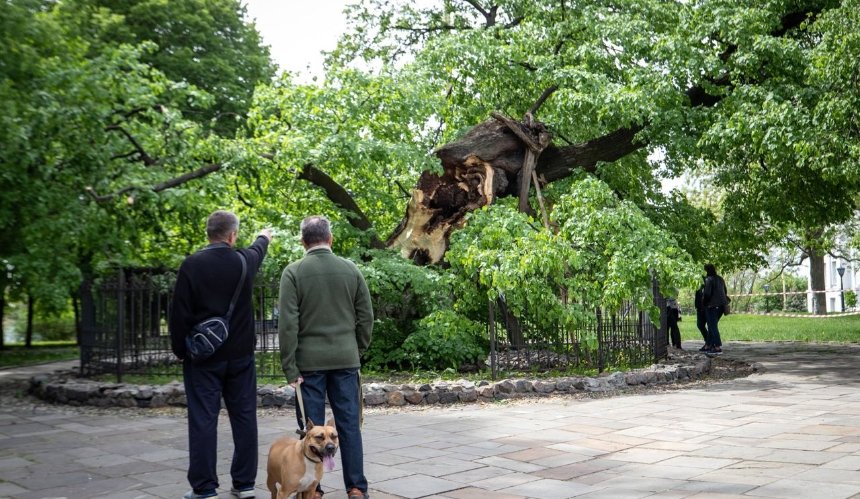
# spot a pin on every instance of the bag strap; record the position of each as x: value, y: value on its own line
x: 238, y: 286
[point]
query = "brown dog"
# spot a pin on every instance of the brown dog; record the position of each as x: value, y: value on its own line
x: 296, y: 466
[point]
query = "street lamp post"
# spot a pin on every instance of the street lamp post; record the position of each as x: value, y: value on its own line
x: 766, y: 298
x: 841, y: 271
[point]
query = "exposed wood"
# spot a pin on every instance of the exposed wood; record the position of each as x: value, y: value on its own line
x: 439, y: 205
x: 543, y: 212
x: 439, y: 202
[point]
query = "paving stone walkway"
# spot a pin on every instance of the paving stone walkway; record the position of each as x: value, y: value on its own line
x: 791, y: 432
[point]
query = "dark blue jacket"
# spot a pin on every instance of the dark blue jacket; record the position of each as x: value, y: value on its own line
x: 204, y: 286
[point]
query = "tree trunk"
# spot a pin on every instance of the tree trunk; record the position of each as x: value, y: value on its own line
x: 28, y: 338
x: 816, y: 281
x: 2, y: 316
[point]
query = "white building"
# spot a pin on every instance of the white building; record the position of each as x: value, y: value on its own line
x: 834, y: 284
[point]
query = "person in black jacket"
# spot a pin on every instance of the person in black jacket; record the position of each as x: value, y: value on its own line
x: 673, y: 315
x: 204, y: 288
x: 715, y: 298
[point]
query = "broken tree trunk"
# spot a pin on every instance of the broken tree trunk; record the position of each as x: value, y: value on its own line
x: 487, y: 163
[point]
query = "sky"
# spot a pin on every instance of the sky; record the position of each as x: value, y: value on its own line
x: 297, y: 31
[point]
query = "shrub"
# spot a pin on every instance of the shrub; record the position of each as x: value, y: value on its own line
x: 445, y: 339
x: 850, y: 299
x: 385, y: 351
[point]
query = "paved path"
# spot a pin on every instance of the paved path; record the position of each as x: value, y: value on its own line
x: 791, y: 432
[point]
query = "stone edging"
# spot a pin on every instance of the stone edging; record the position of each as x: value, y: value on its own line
x: 64, y: 388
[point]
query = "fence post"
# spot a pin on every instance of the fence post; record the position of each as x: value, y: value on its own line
x: 491, y: 324
x: 600, y: 360
x: 660, y: 344
x: 120, y: 327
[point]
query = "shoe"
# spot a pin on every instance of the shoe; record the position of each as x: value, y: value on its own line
x: 356, y: 493
x: 243, y: 493
x: 704, y: 348
x: 717, y: 351
x: 194, y: 495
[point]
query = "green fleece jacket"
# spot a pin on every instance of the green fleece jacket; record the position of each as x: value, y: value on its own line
x: 326, y: 319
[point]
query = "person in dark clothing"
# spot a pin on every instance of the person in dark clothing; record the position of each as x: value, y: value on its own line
x: 715, y: 297
x: 204, y: 288
x: 326, y: 322
x: 701, y: 318
x: 673, y: 315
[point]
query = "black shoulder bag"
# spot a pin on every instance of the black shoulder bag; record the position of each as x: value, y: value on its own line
x: 207, y: 336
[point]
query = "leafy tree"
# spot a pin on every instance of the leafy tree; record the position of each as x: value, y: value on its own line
x: 206, y: 43
x: 90, y: 140
x: 735, y: 90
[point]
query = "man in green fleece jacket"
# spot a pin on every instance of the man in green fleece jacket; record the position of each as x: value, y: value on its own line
x: 325, y: 323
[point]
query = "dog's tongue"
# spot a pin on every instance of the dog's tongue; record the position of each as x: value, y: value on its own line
x: 328, y: 463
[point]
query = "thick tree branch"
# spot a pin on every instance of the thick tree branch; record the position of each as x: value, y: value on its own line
x: 342, y: 198
x: 174, y: 182
x: 557, y: 163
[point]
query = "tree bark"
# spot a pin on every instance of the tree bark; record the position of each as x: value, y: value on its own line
x: 816, y: 281
x: 28, y: 338
x: 2, y: 317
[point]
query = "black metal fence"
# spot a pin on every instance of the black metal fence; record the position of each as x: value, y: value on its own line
x: 625, y: 336
x: 127, y: 332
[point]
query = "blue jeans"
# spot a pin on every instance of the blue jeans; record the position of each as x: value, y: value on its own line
x: 344, y: 395
x: 205, y: 384
x: 713, y: 315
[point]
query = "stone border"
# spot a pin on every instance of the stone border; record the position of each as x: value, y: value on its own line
x: 65, y: 388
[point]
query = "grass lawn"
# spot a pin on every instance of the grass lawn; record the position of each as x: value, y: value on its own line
x: 48, y: 351
x: 743, y: 327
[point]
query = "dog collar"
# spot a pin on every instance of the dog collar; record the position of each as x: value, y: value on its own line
x: 310, y: 458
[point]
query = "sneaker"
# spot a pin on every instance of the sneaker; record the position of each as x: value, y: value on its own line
x: 705, y: 348
x: 717, y: 351
x: 243, y: 493
x: 194, y: 495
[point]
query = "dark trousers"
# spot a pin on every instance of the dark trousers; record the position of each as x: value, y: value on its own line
x: 712, y: 316
x: 701, y: 321
x: 205, y: 384
x: 344, y: 395
x: 674, y: 332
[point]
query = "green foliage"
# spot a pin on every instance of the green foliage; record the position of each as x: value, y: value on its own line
x: 402, y: 291
x: 369, y: 133
x: 602, y: 252
x: 402, y: 294
x: 850, y: 299
x: 206, y: 43
x: 444, y: 338
x: 385, y: 351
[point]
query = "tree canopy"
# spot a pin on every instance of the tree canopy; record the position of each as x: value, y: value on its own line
x: 119, y: 117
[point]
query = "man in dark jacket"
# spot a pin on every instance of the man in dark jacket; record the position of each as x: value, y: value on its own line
x: 205, y: 286
x: 326, y: 321
x: 715, y: 298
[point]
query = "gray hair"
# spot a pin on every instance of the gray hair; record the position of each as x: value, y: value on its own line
x: 315, y: 230
x: 220, y: 225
